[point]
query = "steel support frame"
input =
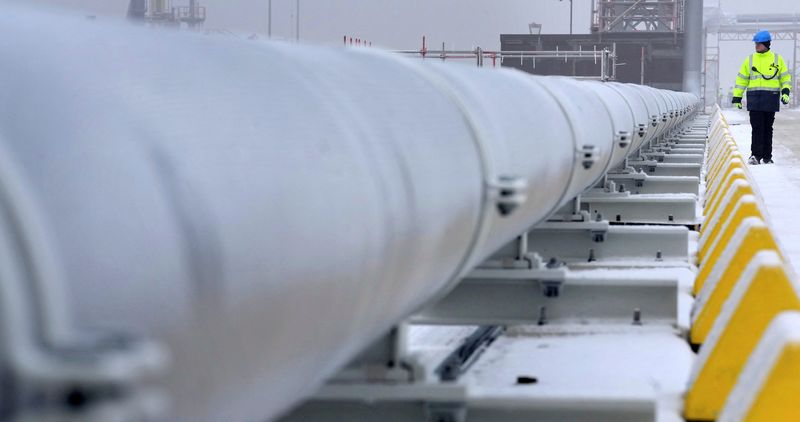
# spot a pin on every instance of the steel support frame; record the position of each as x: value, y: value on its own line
x: 539, y: 278
x: 432, y: 409
x: 660, y: 186
x: 517, y: 286
x: 594, y: 244
x: 639, y: 182
x: 645, y: 208
x: 519, y: 296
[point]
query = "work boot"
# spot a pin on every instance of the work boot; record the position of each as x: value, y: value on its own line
x: 753, y: 161
x: 767, y: 161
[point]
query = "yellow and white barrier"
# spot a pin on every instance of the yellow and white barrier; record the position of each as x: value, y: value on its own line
x: 768, y: 389
x: 765, y: 289
x: 751, y: 237
x: 744, y: 371
x: 719, y: 238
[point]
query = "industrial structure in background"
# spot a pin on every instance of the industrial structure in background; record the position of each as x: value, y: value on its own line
x: 604, y: 60
x: 163, y: 13
x: 637, y: 16
x: 647, y: 36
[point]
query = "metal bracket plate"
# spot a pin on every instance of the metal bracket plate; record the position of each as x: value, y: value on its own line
x: 483, y: 410
x: 644, y: 209
x: 622, y: 245
x: 507, y: 297
x: 642, y: 183
x: 668, y: 169
x: 675, y: 157
x: 648, y: 245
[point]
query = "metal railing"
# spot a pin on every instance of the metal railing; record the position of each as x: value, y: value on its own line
x: 184, y: 13
x: 607, y: 59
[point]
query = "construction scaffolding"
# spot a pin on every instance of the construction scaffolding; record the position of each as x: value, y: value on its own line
x: 162, y: 13
x: 637, y: 15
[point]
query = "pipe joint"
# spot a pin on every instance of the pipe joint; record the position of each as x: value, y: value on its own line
x: 642, y: 130
x: 508, y: 193
x: 623, y: 139
x: 588, y: 155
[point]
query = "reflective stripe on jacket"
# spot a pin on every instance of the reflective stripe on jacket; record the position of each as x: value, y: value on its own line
x: 763, y: 75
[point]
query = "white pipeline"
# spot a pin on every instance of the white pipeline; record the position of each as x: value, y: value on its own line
x: 245, y: 216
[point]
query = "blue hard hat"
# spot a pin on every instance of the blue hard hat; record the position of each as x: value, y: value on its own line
x: 762, y: 36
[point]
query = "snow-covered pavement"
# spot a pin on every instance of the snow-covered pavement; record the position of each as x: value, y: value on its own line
x: 779, y: 183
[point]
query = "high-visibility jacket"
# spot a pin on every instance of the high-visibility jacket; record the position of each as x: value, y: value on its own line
x: 764, y: 76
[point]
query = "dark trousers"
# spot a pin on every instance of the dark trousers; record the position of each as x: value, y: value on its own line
x: 761, y: 122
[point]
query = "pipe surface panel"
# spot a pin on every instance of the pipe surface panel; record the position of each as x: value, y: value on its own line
x: 621, y: 119
x: 638, y: 108
x: 524, y: 134
x: 263, y: 216
x: 653, y: 109
x: 591, y: 126
x: 663, y: 106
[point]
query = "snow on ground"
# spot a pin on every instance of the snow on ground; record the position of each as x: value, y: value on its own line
x: 580, y: 363
x: 591, y: 361
x: 588, y: 363
x: 779, y: 183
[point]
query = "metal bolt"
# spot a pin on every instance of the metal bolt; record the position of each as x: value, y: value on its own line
x: 551, y: 290
x: 505, y: 209
x: 553, y: 263
x: 542, y: 316
x: 509, y: 193
x: 637, y: 316
x: 76, y: 398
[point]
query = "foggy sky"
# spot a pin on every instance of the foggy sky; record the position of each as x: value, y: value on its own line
x: 400, y: 24
x: 395, y: 24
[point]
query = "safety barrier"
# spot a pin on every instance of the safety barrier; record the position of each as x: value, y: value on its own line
x: 773, y: 371
x: 747, y: 366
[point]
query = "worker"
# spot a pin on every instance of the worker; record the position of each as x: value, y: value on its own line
x: 768, y: 82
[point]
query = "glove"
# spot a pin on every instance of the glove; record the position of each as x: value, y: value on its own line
x: 738, y: 105
x: 785, y: 99
x: 737, y: 102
